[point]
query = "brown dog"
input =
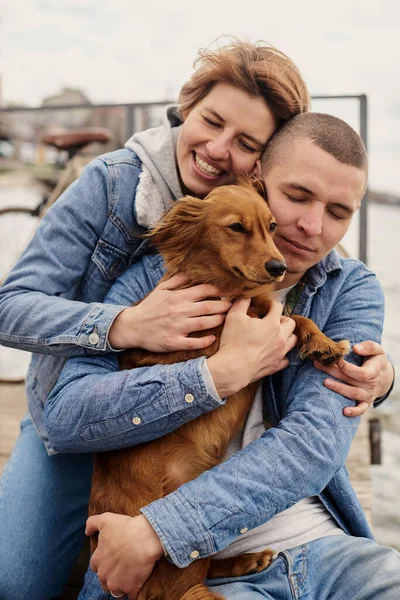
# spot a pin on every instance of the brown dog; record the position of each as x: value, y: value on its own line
x: 225, y: 240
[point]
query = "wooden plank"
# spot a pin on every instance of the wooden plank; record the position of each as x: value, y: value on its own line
x: 359, y: 466
x: 12, y: 409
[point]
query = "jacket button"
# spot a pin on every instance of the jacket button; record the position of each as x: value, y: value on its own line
x: 194, y: 554
x: 136, y: 420
x: 189, y: 398
x: 93, y: 338
x: 244, y: 530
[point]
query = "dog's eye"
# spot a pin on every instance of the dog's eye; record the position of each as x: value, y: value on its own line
x: 238, y: 227
x: 272, y: 227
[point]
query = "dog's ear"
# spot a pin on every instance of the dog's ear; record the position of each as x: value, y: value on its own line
x: 259, y: 185
x: 179, y: 228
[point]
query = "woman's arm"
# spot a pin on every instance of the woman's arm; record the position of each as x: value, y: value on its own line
x: 37, y: 310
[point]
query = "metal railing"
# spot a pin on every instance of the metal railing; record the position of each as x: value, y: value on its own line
x: 137, y: 119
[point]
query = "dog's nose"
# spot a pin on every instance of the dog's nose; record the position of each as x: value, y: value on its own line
x: 275, y: 268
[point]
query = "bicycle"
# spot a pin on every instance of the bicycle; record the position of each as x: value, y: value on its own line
x: 72, y: 141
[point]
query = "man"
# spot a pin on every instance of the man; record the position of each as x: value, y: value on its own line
x: 287, y: 489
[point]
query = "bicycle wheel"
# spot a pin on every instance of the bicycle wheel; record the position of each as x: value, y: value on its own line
x: 16, y: 230
x: 19, y: 198
x: 17, y: 226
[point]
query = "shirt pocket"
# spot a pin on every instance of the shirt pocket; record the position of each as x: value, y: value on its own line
x: 111, y: 261
x: 107, y: 263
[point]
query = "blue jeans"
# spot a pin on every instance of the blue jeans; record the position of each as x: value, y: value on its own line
x: 43, y: 509
x: 331, y: 568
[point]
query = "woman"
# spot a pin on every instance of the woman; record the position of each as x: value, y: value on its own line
x: 52, y: 303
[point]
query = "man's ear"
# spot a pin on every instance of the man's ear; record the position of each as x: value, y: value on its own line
x: 257, y: 169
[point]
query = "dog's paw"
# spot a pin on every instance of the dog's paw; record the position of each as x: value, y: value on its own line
x: 323, y: 349
x: 254, y: 563
x: 259, y: 561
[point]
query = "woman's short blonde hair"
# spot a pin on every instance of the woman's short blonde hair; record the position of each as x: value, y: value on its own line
x: 258, y: 69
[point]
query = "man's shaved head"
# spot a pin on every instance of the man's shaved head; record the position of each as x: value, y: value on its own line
x: 326, y: 131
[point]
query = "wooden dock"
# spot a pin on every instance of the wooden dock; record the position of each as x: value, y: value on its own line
x: 13, y: 408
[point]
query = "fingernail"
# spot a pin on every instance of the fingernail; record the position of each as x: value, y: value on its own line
x: 359, y: 347
x: 329, y: 382
x: 348, y: 411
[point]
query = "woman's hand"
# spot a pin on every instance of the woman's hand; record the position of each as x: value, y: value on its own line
x: 163, y: 320
x: 363, y: 384
x: 250, y: 348
x: 128, y: 548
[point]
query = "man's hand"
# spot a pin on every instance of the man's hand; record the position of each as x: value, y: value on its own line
x: 127, y: 551
x: 363, y: 384
x: 250, y: 348
x: 163, y: 320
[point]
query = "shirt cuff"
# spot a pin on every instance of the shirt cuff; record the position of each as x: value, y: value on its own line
x: 378, y: 401
x: 94, y: 331
x: 209, y: 382
x: 180, y: 550
x: 108, y: 332
x: 187, y: 389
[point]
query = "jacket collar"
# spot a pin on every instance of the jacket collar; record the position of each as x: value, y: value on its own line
x: 317, y: 275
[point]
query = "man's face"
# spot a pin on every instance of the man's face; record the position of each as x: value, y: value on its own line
x: 313, y: 197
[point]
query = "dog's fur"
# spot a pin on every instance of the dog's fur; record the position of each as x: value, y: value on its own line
x: 197, y: 238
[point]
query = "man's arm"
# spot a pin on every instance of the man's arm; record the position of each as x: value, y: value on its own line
x: 290, y: 462
x: 94, y: 406
x: 368, y: 384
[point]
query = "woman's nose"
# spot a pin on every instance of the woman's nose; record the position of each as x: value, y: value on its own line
x: 218, y: 148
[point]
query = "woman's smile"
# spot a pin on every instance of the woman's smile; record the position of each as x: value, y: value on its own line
x: 206, y: 167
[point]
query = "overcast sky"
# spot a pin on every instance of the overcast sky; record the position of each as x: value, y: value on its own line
x: 139, y: 50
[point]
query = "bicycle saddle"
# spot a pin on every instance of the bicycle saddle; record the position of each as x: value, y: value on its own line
x: 66, y: 139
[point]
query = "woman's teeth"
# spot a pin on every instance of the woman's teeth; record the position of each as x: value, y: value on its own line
x: 206, y: 168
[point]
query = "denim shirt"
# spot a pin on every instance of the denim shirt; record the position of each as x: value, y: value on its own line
x: 56, y: 291
x: 95, y: 407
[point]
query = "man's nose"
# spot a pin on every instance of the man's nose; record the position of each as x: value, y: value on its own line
x: 311, y: 220
x: 218, y: 148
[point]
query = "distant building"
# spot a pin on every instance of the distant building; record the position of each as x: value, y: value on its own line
x: 67, y: 96
x: 66, y: 117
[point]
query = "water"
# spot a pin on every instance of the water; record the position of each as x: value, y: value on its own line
x: 384, y: 258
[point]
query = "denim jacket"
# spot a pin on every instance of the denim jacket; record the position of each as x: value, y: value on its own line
x: 94, y: 406
x: 56, y: 291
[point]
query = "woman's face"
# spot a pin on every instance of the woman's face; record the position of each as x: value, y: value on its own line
x: 222, y: 136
